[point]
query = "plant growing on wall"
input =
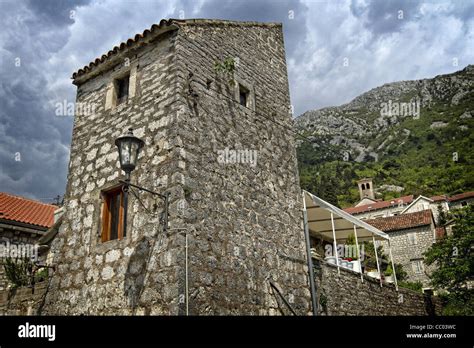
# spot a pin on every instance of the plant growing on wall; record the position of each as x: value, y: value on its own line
x: 226, y: 67
x: 18, y: 271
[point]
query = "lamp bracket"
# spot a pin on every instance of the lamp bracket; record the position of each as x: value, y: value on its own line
x: 128, y: 183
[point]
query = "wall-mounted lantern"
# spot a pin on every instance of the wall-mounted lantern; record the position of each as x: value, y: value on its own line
x: 129, y: 147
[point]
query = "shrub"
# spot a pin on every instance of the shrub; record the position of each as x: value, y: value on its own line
x: 415, y: 286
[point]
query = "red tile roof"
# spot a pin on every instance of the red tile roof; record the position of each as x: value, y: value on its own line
x: 439, y: 198
x: 461, y: 196
x: 25, y: 210
x: 379, y: 205
x: 403, y: 221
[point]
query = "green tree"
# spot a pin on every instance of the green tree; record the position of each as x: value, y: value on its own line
x: 454, y: 259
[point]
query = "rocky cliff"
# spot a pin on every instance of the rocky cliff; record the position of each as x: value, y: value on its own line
x: 392, y: 133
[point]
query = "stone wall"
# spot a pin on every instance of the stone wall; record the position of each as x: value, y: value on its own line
x: 22, y: 301
x: 243, y: 222
x: 14, y: 236
x: 93, y: 277
x: 405, y: 253
x: 346, y: 294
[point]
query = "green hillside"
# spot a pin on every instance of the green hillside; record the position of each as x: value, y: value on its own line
x: 416, y: 153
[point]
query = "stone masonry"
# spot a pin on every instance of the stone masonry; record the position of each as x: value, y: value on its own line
x: 406, y: 251
x: 11, y: 236
x: 346, y: 294
x: 243, y: 220
x: 23, y: 300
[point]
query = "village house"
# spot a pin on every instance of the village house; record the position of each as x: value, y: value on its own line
x: 411, y: 234
x: 412, y: 224
x: 22, y: 223
x: 371, y: 208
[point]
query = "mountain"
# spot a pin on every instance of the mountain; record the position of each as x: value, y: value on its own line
x: 412, y: 137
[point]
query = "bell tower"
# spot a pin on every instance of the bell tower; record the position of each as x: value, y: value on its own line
x: 366, y: 188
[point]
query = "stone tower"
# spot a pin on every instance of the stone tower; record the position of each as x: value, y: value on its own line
x: 366, y: 188
x: 210, y: 99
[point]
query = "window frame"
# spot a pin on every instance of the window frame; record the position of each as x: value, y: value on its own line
x: 243, y: 85
x: 119, y: 83
x: 410, y: 236
x: 106, y: 227
x: 246, y: 93
x: 417, y: 266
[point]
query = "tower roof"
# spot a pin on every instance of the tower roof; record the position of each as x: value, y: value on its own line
x: 163, y: 26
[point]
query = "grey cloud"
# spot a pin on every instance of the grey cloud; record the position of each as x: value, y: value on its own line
x: 53, y: 12
x: 382, y: 17
x: 33, y: 141
x: 51, y: 46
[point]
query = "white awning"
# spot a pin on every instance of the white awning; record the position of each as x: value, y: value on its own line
x: 319, y: 221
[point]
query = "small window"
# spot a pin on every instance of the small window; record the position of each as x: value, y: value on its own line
x: 367, y: 186
x: 243, y: 95
x: 363, y: 186
x: 417, y: 266
x: 412, y: 239
x: 112, y: 214
x: 122, y: 87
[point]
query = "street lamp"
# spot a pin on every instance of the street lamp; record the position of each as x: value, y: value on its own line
x: 129, y: 147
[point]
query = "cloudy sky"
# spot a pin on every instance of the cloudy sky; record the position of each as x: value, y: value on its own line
x: 336, y: 50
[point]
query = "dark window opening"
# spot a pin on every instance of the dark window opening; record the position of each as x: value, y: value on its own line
x: 363, y: 186
x: 367, y: 186
x: 243, y: 95
x: 112, y: 214
x: 122, y: 89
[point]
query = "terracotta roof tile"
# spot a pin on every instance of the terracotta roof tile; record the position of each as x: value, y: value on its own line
x: 163, y: 23
x: 25, y: 210
x: 403, y: 221
x: 120, y: 47
x: 379, y: 205
x: 439, y: 198
x: 461, y: 196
